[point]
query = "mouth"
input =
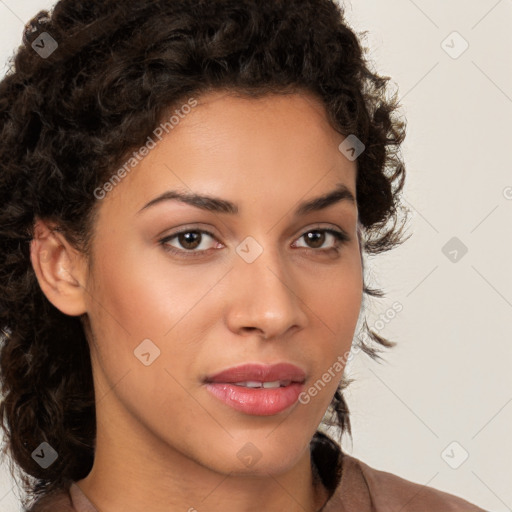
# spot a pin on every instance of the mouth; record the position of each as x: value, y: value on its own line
x: 266, y: 385
x: 260, y: 375
x: 258, y: 389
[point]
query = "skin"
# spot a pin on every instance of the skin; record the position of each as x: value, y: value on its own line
x: 161, y: 436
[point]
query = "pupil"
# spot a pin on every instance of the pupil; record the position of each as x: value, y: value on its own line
x: 190, y: 240
x: 317, y: 237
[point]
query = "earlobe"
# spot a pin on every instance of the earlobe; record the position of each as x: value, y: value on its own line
x: 59, y: 269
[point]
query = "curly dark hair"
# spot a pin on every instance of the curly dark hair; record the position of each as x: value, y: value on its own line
x: 69, y: 119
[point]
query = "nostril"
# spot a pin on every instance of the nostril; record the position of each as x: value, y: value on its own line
x: 252, y: 329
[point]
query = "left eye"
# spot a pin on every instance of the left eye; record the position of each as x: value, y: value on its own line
x: 318, y: 236
x: 193, y: 239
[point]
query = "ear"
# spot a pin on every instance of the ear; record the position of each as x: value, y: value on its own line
x: 60, y: 269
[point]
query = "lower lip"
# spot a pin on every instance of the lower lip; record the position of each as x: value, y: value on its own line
x: 256, y: 401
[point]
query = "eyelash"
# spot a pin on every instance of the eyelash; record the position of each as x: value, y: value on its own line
x: 340, y: 236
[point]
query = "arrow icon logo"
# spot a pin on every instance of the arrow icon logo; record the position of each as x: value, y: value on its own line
x: 44, y: 455
x: 454, y: 45
x: 247, y: 252
x: 454, y: 249
x: 351, y: 147
x: 40, y: 456
x: 249, y: 455
x: 454, y: 455
x: 146, y: 352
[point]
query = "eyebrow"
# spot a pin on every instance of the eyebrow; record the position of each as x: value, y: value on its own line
x: 217, y: 205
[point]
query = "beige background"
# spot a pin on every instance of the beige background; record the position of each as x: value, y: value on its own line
x: 445, y: 391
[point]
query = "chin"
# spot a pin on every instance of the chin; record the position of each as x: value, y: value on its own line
x: 259, y: 455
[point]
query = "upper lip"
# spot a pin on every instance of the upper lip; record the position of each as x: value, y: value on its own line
x: 259, y: 373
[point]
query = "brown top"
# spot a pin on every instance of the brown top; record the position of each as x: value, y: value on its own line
x: 353, y: 487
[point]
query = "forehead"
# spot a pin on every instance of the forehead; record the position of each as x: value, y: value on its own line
x: 275, y: 146
x: 223, y: 114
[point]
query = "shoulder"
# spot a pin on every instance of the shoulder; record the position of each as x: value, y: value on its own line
x: 365, y: 488
x: 59, y: 501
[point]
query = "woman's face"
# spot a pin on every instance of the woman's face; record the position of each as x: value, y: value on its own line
x: 255, y: 283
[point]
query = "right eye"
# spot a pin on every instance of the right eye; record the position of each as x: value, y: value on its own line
x: 189, y: 239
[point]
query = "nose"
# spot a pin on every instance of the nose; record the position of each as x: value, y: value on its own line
x: 265, y: 298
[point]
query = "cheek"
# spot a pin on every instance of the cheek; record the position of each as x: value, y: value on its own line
x: 336, y: 296
x: 336, y: 301
x: 138, y: 309
x: 145, y: 293
x: 141, y: 296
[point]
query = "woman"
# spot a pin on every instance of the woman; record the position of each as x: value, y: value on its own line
x: 188, y: 192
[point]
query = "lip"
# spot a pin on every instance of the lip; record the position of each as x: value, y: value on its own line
x: 259, y: 372
x: 257, y: 401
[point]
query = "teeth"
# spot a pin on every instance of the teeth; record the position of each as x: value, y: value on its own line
x: 252, y: 384
x: 266, y: 385
x: 271, y: 385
